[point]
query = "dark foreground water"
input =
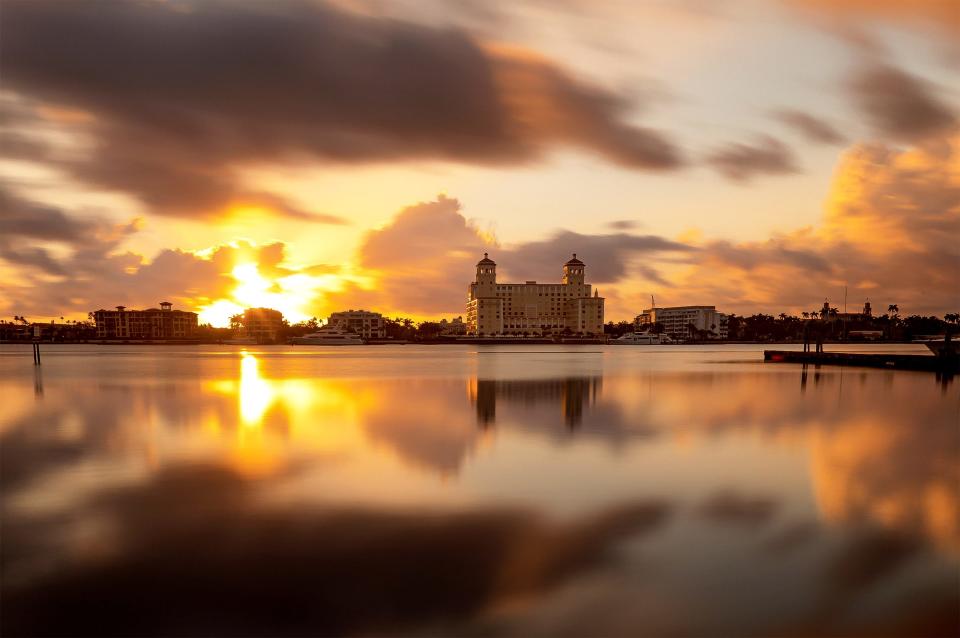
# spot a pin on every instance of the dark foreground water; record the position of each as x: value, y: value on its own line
x: 598, y: 491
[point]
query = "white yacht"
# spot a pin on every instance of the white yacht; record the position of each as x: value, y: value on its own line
x: 642, y: 339
x: 328, y: 336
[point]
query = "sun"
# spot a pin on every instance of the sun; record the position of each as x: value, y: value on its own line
x: 289, y: 294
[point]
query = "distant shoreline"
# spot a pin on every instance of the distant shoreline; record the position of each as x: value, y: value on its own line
x: 470, y: 342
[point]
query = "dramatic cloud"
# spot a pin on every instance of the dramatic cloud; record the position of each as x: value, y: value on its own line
x: 609, y: 257
x: 83, y: 267
x: 813, y: 128
x: 175, y: 97
x: 889, y: 233
x: 899, y: 105
x: 740, y: 161
x: 940, y: 14
x: 425, y: 257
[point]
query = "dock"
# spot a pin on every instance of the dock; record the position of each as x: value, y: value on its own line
x: 930, y: 363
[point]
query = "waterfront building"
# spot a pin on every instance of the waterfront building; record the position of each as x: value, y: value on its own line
x: 368, y: 325
x: 154, y: 323
x: 454, y: 328
x: 866, y: 315
x: 677, y: 321
x: 568, y: 307
x: 262, y: 324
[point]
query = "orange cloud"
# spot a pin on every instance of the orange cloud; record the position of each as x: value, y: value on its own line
x: 890, y: 229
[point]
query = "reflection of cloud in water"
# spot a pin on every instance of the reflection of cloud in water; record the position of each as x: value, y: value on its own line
x: 193, y: 553
x: 903, y: 474
x: 883, y: 460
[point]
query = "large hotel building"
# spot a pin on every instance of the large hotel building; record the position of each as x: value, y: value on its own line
x: 495, y: 308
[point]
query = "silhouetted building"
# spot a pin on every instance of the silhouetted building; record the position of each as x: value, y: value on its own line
x: 865, y: 315
x: 23, y: 331
x: 368, y: 325
x: 497, y: 308
x: 154, y: 323
x: 262, y: 324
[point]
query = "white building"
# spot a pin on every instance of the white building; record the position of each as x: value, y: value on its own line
x: 495, y: 308
x: 368, y: 325
x: 677, y: 321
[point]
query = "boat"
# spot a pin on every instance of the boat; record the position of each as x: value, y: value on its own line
x: 328, y: 336
x: 642, y: 339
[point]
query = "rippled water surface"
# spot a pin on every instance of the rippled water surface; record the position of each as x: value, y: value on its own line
x: 474, y: 491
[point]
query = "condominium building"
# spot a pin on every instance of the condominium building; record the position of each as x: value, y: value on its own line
x: 495, y: 308
x: 154, y: 323
x: 680, y: 321
x: 368, y: 325
x: 262, y: 324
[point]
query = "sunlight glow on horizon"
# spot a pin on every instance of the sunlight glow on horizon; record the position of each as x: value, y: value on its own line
x: 287, y: 294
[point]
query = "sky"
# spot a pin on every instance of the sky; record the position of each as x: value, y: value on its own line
x: 320, y: 155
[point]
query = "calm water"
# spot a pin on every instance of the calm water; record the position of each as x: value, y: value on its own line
x: 474, y: 491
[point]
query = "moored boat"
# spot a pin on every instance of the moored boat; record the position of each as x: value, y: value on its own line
x: 642, y: 339
x: 328, y: 336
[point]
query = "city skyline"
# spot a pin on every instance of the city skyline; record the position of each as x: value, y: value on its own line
x: 753, y: 156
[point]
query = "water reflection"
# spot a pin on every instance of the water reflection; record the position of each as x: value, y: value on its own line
x: 255, y: 392
x: 572, y: 394
x: 268, y: 498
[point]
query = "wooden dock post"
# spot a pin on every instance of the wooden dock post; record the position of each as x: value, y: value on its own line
x: 36, y: 345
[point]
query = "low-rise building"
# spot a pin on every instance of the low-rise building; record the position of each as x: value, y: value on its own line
x: 495, y: 308
x: 453, y: 328
x: 262, y: 324
x: 368, y: 325
x: 154, y: 323
x: 681, y: 322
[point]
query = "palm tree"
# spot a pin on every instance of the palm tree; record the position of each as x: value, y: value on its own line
x: 782, y: 316
x: 893, y: 309
x: 806, y: 315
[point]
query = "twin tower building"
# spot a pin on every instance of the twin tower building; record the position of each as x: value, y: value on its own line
x: 568, y: 307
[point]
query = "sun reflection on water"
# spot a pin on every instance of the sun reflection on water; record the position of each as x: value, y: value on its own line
x: 255, y: 393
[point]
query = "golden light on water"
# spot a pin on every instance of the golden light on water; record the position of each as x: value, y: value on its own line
x: 255, y: 393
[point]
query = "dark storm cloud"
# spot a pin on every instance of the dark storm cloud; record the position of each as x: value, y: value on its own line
x: 900, y: 105
x: 182, y: 94
x: 813, y: 128
x: 741, y: 161
x: 194, y: 553
x: 20, y: 218
x: 608, y: 256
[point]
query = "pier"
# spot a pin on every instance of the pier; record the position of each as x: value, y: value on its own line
x: 930, y: 363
